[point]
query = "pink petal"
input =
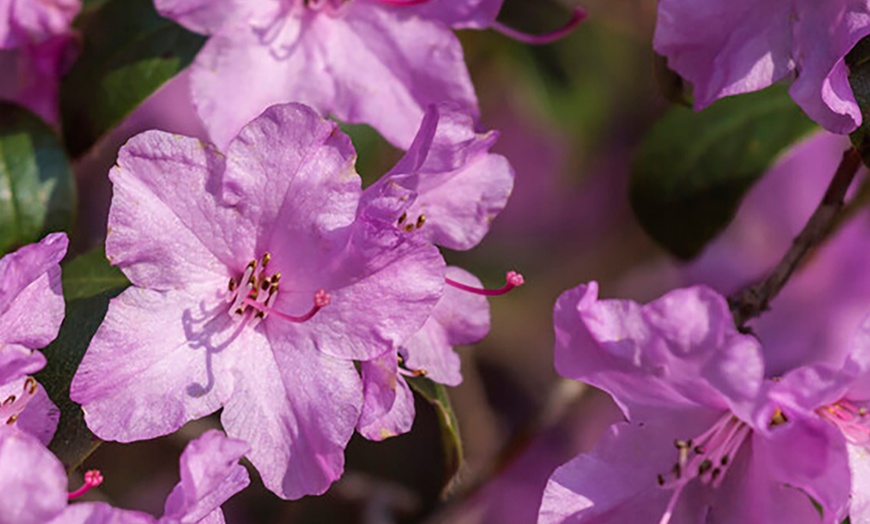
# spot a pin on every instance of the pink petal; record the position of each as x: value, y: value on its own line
x: 297, y: 409
x: 158, y: 361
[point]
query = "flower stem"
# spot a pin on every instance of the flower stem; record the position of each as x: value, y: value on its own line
x: 752, y: 301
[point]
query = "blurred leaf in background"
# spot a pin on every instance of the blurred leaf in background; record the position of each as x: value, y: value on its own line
x: 129, y: 51
x: 693, y: 168
x: 37, y: 190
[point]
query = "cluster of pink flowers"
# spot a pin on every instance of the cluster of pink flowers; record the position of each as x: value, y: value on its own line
x: 268, y: 285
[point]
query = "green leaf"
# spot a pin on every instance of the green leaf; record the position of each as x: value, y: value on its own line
x: 436, y: 394
x: 73, y: 441
x: 858, y: 61
x: 693, y: 168
x: 129, y: 51
x: 37, y: 188
x: 91, y: 274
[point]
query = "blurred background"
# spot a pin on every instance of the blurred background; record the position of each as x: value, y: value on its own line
x: 571, y: 115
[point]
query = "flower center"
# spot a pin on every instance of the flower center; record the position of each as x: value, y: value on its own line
x: 706, y: 457
x: 256, y: 290
x: 12, y: 407
x: 850, y: 417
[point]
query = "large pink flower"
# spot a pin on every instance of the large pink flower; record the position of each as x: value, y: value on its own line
x: 703, y: 440
x: 226, y: 254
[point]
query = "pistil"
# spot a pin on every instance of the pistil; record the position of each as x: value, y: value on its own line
x: 512, y: 280
x: 93, y: 478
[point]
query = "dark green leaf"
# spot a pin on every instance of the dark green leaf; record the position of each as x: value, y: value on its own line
x: 129, y: 51
x: 37, y: 189
x: 90, y: 274
x: 73, y: 441
x: 858, y: 60
x: 693, y: 169
x: 436, y: 394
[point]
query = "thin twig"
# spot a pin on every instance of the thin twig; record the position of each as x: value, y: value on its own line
x: 754, y: 300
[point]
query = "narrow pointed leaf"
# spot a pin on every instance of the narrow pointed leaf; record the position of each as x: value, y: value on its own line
x: 436, y: 395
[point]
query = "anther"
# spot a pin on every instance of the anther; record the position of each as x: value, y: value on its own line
x: 11, y: 420
x: 403, y: 218
x: 420, y: 221
x: 9, y: 400
x: 93, y: 478
x: 513, y: 279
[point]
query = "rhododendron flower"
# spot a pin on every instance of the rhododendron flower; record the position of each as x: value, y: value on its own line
x: 702, y: 441
x: 378, y: 62
x: 226, y: 255
x: 839, y: 395
x: 727, y: 47
x: 35, y: 482
x: 31, y: 305
x: 447, y: 190
x: 36, y: 47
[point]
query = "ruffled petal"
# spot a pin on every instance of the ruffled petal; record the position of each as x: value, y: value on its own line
x: 297, y: 409
x: 388, y: 408
x: 32, y: 479
x: 210, y: 475
x: 168, y: 225
x: 681, y: 349
x: 158, y: 361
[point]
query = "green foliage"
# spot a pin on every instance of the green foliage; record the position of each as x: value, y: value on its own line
x: 91, y: 274
x: 129, y: 51
x: 37, y: 189
x: 436, y: 395
x: 73, y: 441
x: 88, y: 284
x: 693, y: 168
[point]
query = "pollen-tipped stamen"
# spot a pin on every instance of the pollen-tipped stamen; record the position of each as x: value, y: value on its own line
x: 706, y: 458
x: 850, y: 417
x: 512, y: 280
x: 93, y: 478
x: 577, y: 16
x: 12, y: 406
x: 321, y: 300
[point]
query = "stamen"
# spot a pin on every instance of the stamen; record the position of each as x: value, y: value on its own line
x: 93, y: 478
x: 12, y: 407
x: 850, y: 418
x: 321, y: 300
x: 513, y: 279
x: 707, y: 458
x: 577, y: 16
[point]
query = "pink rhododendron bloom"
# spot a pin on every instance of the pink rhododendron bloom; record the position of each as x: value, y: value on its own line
x: 31, y: 305
x: 226, y: 255
x: 727, y: 47
x: 35, y: 483
x: 379, y: 62
x: 36, y: 47
x: 839, y: 395
x: 703, y: 441
x: 446, y: 190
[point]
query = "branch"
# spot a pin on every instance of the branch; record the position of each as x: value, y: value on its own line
x: 754, y: 300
